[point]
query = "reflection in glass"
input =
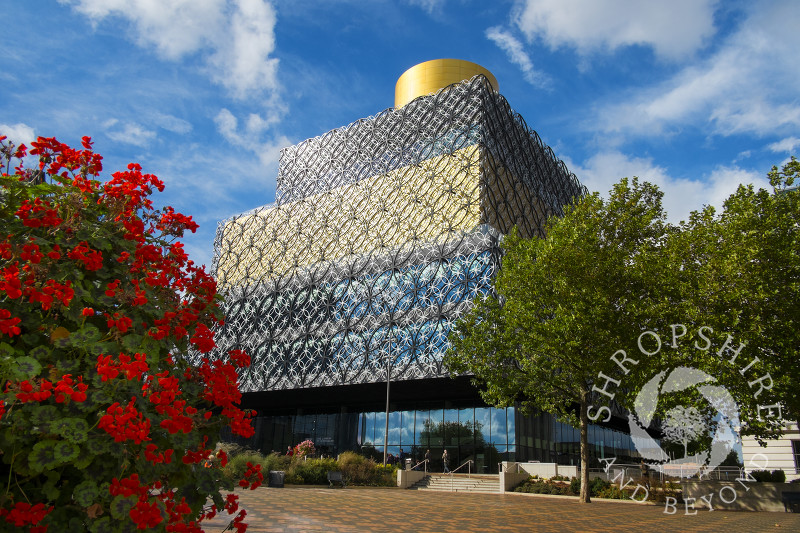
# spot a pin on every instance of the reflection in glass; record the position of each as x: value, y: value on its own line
x: 419, y: 427
x: 407, y: 429
x: 497, y: 433
x: 394, y: 428
x: 510, y: 425
x: 432, y: 430
x: 468, y: 433
x: 369, y: 429
x: 450, y: 430
x: 380, y: 427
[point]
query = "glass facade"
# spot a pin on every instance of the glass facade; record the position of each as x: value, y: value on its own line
x: 485, y: 435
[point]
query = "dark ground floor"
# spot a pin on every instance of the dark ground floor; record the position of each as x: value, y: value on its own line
x: 436, y: 415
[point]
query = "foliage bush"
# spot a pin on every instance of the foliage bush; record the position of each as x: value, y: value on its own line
x: 357, y: 469
x: 598, y: 487
x: 105, y: 424
x: 777, y: 476
x: 535, y: 485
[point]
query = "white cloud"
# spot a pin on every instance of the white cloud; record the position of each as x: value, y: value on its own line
x: 241, y: 62
x: 172, y: 123
x: 787, y: 145
x: 18, y: 133
x: 681, y: 195
x: 430, y: 6
x: 267, y: 151
x: 673, y: 29
x: 516, y: 54
x: 234, y: 37
x: 131, y: 133
x: 748, y: 86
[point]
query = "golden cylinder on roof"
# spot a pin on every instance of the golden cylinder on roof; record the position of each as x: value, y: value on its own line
x: 430, y: 76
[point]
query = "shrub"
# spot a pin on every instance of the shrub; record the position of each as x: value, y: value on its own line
x: 575, y: 485
x: 611, y: 492
x: 310, y: 472
x: 762, y: 476
x: 534, y: 485
x: 237, y: 464
x: 111, y: 404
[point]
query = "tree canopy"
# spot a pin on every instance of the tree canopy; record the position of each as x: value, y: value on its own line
x: 562, y: 305
x: 613, y: 300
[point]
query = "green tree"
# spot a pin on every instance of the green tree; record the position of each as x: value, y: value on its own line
x: 562, y: 305
x: 104, y: 425
x: 740, y: 273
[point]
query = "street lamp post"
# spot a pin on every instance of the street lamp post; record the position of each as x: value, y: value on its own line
x: 388, y: 383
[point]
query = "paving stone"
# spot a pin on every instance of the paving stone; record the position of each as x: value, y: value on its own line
x: 364, y: 510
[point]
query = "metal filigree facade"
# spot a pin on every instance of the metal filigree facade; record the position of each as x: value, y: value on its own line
x: 381, y: 235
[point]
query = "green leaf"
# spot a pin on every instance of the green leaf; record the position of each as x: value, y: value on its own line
x: 83, y: 461
x: 26, y: 368
x: 102, y: 525
x: 121, y: 506
x: 86, y: 493
x: 6, y: 350
x: 97, y: 445
x: 66, y: 451
x: 72, y: 429
x: 132, y: 343
x: 43, y: 455
x: 90, y: 333
x: 44, y: 413
x: 40, y: 352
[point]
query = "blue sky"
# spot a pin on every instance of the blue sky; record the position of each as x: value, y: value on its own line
x: 694, y: 95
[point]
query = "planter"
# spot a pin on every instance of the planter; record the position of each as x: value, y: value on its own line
x: 737, y: 495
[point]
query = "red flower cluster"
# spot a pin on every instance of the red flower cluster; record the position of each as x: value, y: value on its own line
x: 8, y: 323
x: 56, y: 273
x: 252, y: 477
x: 64, y: 160
x: 52, y: 291
x: 133, y: 367
x: 65, y: 388
x: 39, y: 213
x: 24, y: 514
x: 91, y: 259
x: 125, y: 423
x: 151, y: 454
x: 119, y: 321
x: 68, y: 387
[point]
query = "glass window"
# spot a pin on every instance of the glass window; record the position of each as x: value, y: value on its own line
x: 483, y: 425
x: 369, y: 428
x: 497, y: 434
x: 433, y: 428
x: 422, y: 417
x: 394, y: 428
x: 466, y: 424
x: 511, y: 428
x: 450, y: 427
x: 796, y: 451
x: 407, y: 429
x: 380, y: 427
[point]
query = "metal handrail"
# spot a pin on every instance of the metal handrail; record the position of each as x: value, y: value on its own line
x: 425, y: 461
x: 469, y: 462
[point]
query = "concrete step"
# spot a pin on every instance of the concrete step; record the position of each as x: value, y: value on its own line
x: 484, y: 484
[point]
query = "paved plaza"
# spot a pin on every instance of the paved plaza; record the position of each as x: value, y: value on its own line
x: 364, y: 510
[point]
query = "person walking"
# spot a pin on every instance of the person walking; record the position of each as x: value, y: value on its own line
x: 428, y: 460
x: 446, y: 462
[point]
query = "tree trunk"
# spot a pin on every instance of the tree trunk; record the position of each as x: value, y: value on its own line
x: 584, y: 425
